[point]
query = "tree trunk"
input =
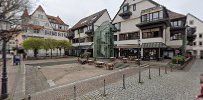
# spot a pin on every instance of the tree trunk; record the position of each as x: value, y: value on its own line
x: 51, y: 53
x: 35, y: 53
x: 57, y: 52
x: 46, y: 53
x: 4, y: 92
x: 60, y: 51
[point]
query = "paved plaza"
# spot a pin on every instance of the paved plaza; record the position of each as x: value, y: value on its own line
x: 172, y: 86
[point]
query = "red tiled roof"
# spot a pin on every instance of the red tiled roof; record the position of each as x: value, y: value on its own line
x: 25, y: 13
x: 39, y: 8
x: 56, y: 20
x: 89, y: 20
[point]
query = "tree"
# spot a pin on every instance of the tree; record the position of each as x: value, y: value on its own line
x: 45, y: 45
x: 34, y: 44
x: 63, y: 44
x: 9, y: 10
x: 51, y: 44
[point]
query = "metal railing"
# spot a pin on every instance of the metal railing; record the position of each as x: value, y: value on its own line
x: 97, y: 84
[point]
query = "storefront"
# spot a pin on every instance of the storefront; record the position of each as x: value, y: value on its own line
x: 153, y: 51
x: 126, y: 50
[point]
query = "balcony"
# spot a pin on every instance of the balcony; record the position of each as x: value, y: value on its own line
x: 126, y: 14
x: 155, y: 16
x: 70, y: 35
x: 90, y: 32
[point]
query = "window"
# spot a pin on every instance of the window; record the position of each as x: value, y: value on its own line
x: 125, y: 8
x: 152, y: 33
x: 155, y: 16
x: 161, y: 15
x: 54, y: 33
x: 176, y: 36
x: 115, y: 37
x: 191, y: 22
x: 81, y: 30
x: 36, y: 23
x: 117, y: 26
x: 36, y: 31
x: 134, y: 35
x: 200, y: 43
x: 122, y: 37
x: 194, y: 43
x: 89, y: 27
x: 47, y: 24
x: 40, y: 16
x: 176, y: 23
x: 134, y: 7
x: 152, y: 16
x: 60, y: 27
x: 200, y: 35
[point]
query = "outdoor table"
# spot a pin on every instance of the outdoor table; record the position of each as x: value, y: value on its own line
x: 112, y: 58
x: 90, y: 62
x: 99, y: 64
x: 110, y: 66
x: 125, y: 60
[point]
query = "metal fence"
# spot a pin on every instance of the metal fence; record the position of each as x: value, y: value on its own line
x: 78, y: 89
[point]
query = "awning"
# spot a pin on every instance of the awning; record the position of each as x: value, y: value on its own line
x: 175, y: 46
x: 154, y: 45
x: 127, y: 46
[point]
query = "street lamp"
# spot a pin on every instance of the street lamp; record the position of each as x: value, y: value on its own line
x: 5, y: 26
x: 139, y: 57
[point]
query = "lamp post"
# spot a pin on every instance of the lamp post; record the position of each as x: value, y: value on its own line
x: 4, y: 29
x: 139, y: 52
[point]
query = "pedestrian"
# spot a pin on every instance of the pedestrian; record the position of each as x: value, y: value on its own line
x: 200, y: 97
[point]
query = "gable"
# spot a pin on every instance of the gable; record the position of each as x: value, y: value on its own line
x: 140, y: 5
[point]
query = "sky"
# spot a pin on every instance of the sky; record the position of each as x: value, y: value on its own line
x: 71, y: 11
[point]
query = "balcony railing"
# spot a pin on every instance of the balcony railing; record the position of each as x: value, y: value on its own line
x: 70, y: 35
x: 126, y: 14
x: 90, y: 32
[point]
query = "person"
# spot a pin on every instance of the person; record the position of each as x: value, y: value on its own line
x: 200, y: 97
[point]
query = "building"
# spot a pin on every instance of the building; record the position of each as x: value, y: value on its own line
x: 83, y: 32
x: 197, y: 48
x: 149, y: 26
x: 41, y: 25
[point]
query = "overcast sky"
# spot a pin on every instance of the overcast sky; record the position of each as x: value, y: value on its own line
x: 71, y: 11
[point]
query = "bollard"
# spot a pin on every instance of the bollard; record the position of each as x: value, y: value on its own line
x: 140, y: 74
x: 124, y: 81
x: 104, y: 94
x: 165, y: 69
x: 159, y: 71
x: 150, y: 72
x: 75, y: 96
x: 29, y: 97
x: 171, y: 68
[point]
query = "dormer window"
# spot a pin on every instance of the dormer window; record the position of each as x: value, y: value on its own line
x: 126, y: 13
x: 126, y: 8
x: 134, y: 7
x: 40, y: 16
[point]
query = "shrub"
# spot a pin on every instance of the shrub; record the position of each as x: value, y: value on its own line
x: 179, y: 59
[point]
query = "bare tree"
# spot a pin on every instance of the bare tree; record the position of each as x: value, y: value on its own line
x: 10, y: 11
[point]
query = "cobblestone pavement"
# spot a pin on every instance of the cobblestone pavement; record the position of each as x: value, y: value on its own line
x: 171, y: 86
x: 35, y: 81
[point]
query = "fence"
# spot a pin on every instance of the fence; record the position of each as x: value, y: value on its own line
x: 77, y: 89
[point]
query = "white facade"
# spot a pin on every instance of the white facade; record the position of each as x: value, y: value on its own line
x: 105, y: 17
x: 197, y: 47
x: 39, y: 24
x: 129, y: 26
